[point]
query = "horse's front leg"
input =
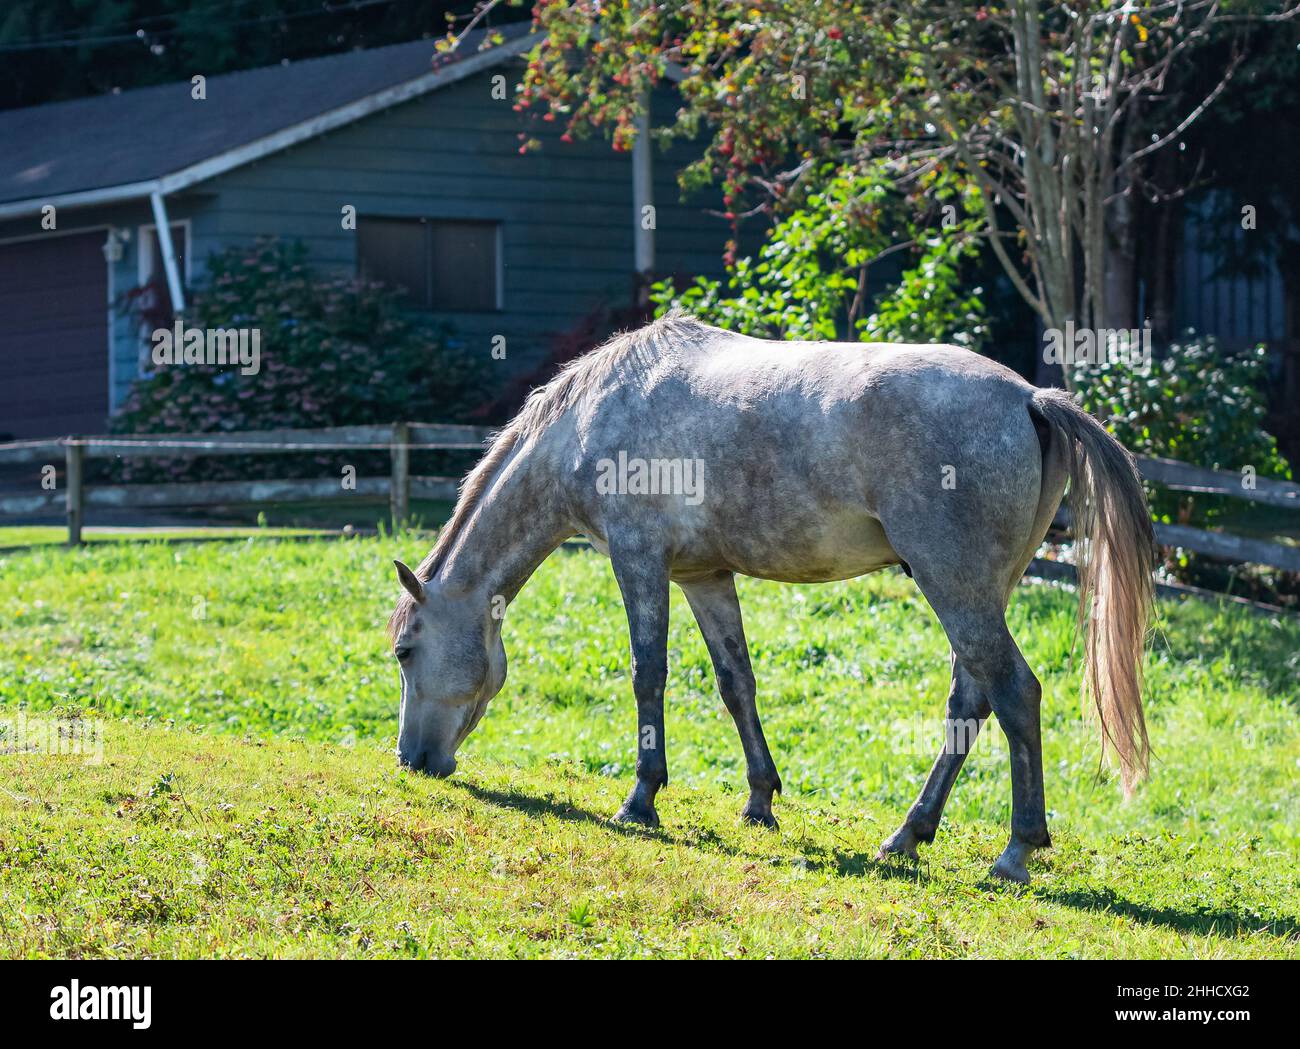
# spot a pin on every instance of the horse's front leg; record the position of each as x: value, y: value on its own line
x: 643, y: 579
x: 717, y: 610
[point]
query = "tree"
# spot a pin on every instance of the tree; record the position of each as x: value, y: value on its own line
x: 1057, y: 116
x: 1051, y: 109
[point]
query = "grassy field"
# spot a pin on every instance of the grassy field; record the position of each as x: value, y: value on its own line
x: 248, y: 802
x: 17, y: 537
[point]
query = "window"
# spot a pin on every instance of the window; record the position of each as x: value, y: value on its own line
x: 443, y: 264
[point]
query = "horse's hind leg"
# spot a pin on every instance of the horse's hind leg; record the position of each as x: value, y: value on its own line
x: 1017, y: 699
x: 968, y: 709
x: 717, y: 611
x: 991, y: 674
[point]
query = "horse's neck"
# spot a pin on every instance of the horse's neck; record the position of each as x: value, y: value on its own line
x: 519, y: 520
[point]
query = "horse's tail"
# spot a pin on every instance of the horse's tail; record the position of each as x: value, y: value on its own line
x: 1115, y: 547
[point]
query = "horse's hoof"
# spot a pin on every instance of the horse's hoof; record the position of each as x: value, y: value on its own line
x: 1012, y: 869
x: 759, y: 818
x: 637, y: 817
x: 901, y: 843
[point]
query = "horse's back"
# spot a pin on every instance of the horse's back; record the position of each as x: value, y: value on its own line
x: 878, y: 410
x: 814, y: 455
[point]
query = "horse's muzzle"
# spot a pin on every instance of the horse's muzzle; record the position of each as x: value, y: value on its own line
x: 430, y: 764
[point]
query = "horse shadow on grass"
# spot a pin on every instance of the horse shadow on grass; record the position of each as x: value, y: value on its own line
x: 853, y: 864
x: 1195, y: 921
x: 537, y: 807
x: 1198, y: 921
x: 813, y: 858
x: 862, y: 864
x: 531, y: 805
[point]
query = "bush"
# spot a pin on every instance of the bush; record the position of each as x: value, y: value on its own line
x: 1202, y: 405
x: 826, y: 269
x: 335, y: 351
x: 1196, y: 403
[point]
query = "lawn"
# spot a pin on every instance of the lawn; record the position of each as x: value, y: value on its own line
x: 248, y: 801
x: 15, y: 537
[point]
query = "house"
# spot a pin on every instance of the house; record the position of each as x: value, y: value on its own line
x: 102, y: 195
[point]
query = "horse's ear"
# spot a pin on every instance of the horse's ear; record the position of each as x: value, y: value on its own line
x: 410, y: 582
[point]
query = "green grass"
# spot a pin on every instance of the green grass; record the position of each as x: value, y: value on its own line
x: 14, y: 537
x: 193, y: 844
x: 249, y: 802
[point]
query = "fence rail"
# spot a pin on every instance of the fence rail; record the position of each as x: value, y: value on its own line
x: 400, y: 486
x: 398, y: 440
x: 1182, y: 477
x: 248, y: 442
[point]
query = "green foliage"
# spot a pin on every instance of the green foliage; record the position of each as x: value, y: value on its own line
x: 813, y: 278
x: 930, y: 302
x: 774, y: 107
x: 335, y: 351
x: 1195, y: 403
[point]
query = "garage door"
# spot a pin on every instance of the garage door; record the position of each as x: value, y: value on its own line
x: 53, y: 336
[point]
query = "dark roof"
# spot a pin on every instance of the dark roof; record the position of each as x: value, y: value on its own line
x: 142, y: 134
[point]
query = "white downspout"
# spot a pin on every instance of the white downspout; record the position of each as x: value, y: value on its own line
x: 643, y: 198
x: 164, y: 231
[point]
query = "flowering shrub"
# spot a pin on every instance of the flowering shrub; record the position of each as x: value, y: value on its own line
x: 335, y: 351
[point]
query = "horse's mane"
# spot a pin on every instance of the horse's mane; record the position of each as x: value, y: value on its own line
x: 545, y: 405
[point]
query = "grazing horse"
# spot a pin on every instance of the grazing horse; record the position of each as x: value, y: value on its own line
x: 689, y: 454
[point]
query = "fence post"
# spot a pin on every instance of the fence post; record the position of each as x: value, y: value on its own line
x: 74, y: 457
x: 399, y: 492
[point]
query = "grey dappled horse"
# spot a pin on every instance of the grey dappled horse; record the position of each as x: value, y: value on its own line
x: 689, y: 454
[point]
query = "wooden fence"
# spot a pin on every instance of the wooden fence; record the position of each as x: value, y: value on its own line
x: 1180, y: 477
x: 400, y: 487
x: 76, y: 497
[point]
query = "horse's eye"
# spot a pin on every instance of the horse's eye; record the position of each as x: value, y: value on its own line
x: 402, y: 654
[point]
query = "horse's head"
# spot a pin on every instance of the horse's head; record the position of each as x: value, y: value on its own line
x: 452, y: 663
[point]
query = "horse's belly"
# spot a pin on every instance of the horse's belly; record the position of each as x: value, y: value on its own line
x: 820, y: 551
